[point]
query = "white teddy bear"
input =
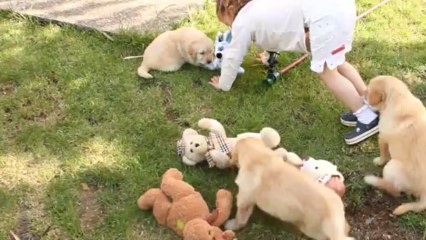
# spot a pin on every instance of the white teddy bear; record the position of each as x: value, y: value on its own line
x: 217, y: 147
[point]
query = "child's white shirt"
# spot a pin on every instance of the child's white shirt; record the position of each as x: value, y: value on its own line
x: 273, y: 25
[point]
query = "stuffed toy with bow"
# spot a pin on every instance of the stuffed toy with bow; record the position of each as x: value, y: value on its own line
x: 221, y: 42
x: 216, y: 148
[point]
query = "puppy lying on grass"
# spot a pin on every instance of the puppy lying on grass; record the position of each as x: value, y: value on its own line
x: 171, y: 49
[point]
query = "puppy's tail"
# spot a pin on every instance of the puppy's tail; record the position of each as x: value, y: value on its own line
x: 270, y: 137
x: 143, y: 71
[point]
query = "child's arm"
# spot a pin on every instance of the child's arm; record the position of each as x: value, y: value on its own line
x: 233, y: 57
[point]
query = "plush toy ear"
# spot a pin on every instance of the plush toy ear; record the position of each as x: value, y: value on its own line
x: 188, y: 132
x: 228, y: 235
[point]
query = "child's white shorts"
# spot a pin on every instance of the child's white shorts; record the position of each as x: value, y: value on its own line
x: 331, y: 34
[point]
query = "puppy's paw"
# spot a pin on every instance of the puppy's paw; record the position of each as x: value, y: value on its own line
x: 399, y: 210
x: 232, y: 225
x: 378, y: 161
x: 371, y: 180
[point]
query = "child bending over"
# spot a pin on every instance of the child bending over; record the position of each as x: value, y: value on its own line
x: 279, y: 25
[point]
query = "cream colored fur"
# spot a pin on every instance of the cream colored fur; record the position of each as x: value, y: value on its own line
x: 171, y: 49
x: 402, y: 141
x: 282, y: 191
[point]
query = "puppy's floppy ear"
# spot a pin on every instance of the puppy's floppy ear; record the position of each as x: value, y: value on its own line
x: 193, y: 50
x: 376, y: 96
x: 234, y: 156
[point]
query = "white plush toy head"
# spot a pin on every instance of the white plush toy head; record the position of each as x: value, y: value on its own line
x: 221, y: 42
x: 319, y: 168
x: 192, y: 147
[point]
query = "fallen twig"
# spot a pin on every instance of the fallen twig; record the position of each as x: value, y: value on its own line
x: 107, y: 35
x: 14, y: 235
x: 132, y: 57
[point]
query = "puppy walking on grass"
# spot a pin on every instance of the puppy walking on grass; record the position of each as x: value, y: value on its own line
x: 171, y: 49
x: 284, y: 192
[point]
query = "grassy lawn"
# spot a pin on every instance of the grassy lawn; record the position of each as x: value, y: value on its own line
x: 73, y: 112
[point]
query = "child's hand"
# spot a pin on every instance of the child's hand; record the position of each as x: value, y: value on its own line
x: 214, y: 81
x: 263, y: 58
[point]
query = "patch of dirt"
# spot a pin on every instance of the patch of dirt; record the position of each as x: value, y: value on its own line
x: 23, y: 227
x: 374, y: 220
x: 33, y: 222
x: 7, y: 89
x: 197, y: 83
x: 91, y: 212
x: 171, y: 114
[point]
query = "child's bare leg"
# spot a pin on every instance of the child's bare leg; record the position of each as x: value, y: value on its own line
x: 342, y: 88
x: 349, y: 72
x: 345, y: 91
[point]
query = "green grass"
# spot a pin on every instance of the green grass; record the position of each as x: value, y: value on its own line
x: 74, y: 111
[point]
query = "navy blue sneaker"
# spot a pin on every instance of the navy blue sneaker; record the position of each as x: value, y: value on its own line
x: 362, y: 132
x: 348, y: 119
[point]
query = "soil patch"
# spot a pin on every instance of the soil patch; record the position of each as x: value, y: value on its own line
x: 91, y: 212
x: 374, y: 220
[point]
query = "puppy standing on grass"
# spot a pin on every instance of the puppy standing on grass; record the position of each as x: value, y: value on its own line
x: 402, y: 141
x: 171, y: 49
x: 284, y: 192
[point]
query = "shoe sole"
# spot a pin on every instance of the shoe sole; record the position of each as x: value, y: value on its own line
x: 362, y: 137
x: 347, y: 123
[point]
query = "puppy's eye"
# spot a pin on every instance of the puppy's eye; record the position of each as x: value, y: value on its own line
x: 202, y: 53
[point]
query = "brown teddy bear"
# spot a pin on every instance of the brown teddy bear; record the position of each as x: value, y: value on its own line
x: 176, y: 203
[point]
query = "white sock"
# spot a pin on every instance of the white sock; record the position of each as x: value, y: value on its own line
x: 364, y: 100
x: 365, y: 115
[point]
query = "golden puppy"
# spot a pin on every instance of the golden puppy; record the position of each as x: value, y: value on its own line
x: 402, y: 141
x: 171, y: 49
x: 282, y: 191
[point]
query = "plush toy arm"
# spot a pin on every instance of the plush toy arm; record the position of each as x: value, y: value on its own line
x: 223, y: 207
x: 220, y: 159
x: 212, y: 125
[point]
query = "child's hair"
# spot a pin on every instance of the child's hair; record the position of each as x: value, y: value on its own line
x: 223, y: 5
